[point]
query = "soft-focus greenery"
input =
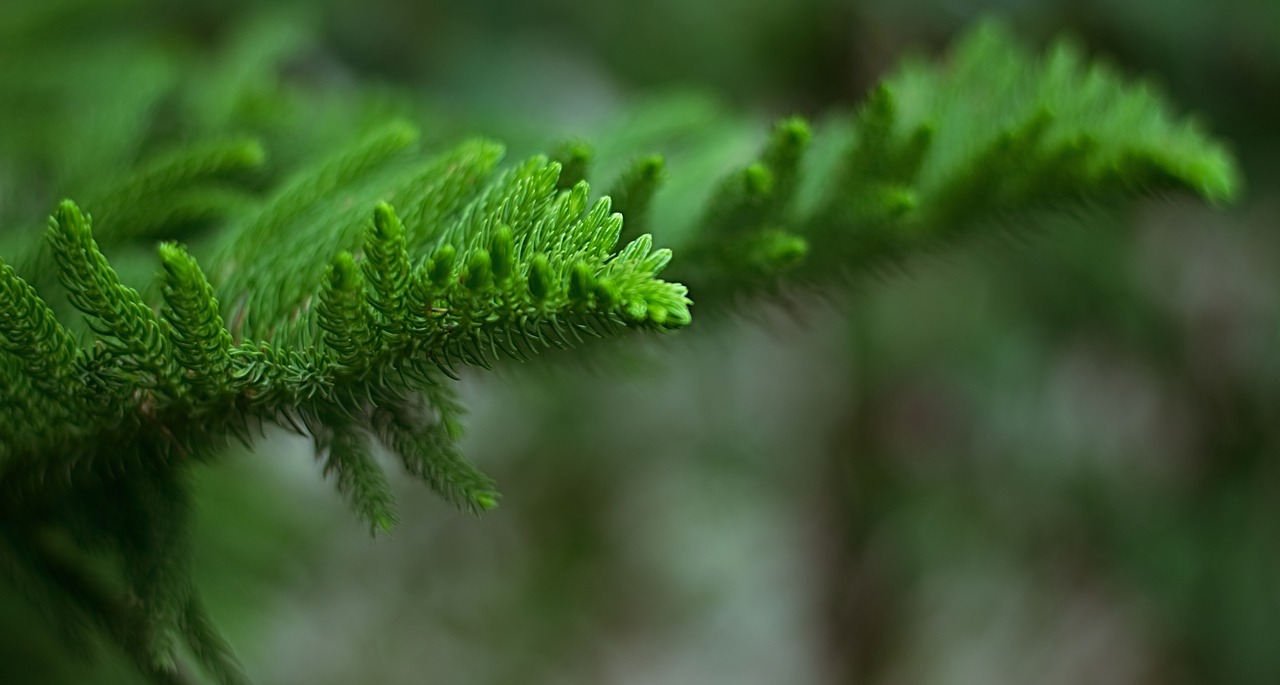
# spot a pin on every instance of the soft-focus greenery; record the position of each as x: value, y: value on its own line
x: 1048, y: 458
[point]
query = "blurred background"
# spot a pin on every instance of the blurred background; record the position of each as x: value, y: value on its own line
x: 1043, y: 461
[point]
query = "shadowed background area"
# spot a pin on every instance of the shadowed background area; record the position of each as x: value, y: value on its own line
x: 1049, y: 460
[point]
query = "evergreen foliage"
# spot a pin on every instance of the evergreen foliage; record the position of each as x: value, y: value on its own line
x: 983, y: 141
x: 341, y: 294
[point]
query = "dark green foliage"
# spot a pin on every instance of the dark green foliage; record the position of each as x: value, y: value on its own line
x: 348, y: 459
x: 188, y: 185
x: 40, y: 358
x: 992, y: 136
x: 573, y: 156
x: 213, y: 652
x: 339, y: 298
x: 428, y: 449
x: 745, y: 232
x: 633, y: 192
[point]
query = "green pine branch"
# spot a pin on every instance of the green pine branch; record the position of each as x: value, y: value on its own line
x: 340, y: 304
x: 989, y: 140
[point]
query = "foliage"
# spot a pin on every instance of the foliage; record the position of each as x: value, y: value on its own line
x: 345, y: 284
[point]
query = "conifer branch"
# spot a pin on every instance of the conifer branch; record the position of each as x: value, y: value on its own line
x: 340, y: 305
x: 983, y: 143
x: 139, y: 355
x: 428, y: 449
x: 633, y: 192
x: 41, y: 354
x: 184, y: 186
x: 347, y: 457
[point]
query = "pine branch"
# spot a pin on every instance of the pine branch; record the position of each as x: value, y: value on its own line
x: 135, y: 363
x: 40, y: 354
x: 985, y: 142
x: 523, y: 267
x: 633, y: 192
x: 339, y: 306
x: 187, y: 185
x: 347, y: 456
x: 428, y: 449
